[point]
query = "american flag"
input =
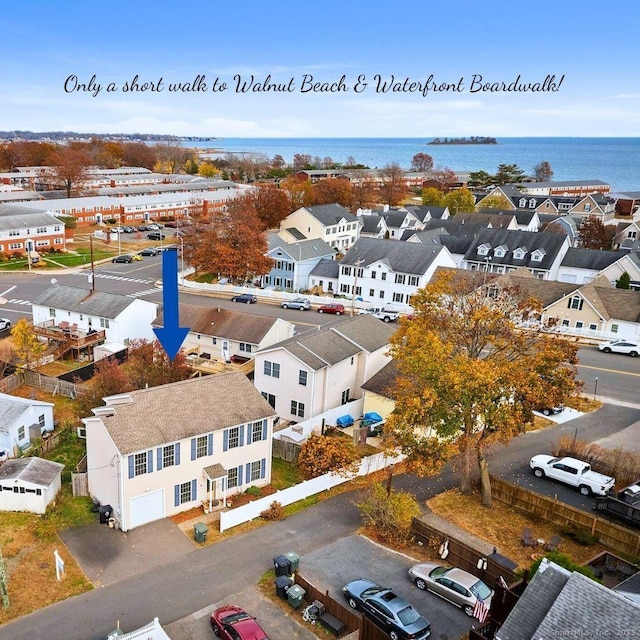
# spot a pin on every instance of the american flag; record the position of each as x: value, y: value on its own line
x: 480, y: 611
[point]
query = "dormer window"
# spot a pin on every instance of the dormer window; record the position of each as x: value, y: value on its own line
x: 483, y: 250
x: 519, y: 253
x: 537, y: 255
x: 500, y: 252
x: 575, y: 302
x: 522, y: 203
x: 532, y: 204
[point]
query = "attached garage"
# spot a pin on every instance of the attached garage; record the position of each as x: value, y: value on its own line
x: 146, y: 508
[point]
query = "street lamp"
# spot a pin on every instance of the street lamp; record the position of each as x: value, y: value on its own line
x: 595, y: 388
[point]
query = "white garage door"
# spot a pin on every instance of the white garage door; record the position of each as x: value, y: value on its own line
x: 146, y: 508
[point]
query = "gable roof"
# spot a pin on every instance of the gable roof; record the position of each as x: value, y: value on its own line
x: 593, y: 259
x: 371, y: 223
x: 382, y: 382
x: 36, y: 471
x: 423, y: 211
x: 223, y: 323
x: 302, y: 250
x: 337, y: 341
x: 402, y: 257
x: 497, y: 219
x: 98, y: 303
x: 17, y: 217
x: 330, y: 214
x: 326, y: 268
x: 184, y: 409
x: 12, y: 407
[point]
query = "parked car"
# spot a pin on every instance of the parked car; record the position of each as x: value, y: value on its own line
x: 621, y: 346
x: 153, y: 227
x: 171, y: 224
x: 573, y: 472
x: 455, y: 585
x: 297, y: 303
x: 155, y: 235
x: 4, y: 324
x: 386, y: 609
x: 233, y: 623
x: 247, y: 298
x: 125, y: 257
x: 546, y: 410
x: 338, y: 309
x: 128, y: 229
x: 116, y: 230
x: 149, y: 251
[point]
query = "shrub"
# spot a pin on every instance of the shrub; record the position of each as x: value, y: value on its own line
x: 321, y: 454
x: 252, y: 491
x: 583, y: 537
x: 389, y: 517
x: 565, y: 561
x: 274, y: 512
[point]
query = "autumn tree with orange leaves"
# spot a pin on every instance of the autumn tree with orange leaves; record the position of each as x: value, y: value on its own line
x: 270, y: 204
x: 321, y: 454
x: 469, y: 375
x: 68, y: 168
x: 333, y: 190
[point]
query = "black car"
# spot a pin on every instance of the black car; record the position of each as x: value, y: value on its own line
x: 125, y: 257
x: 386, y: 609
x: 149, y: 251
x: 155, y: 235
x: 247, y: 298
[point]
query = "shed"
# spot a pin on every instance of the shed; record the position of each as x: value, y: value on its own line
x: 29, y: 484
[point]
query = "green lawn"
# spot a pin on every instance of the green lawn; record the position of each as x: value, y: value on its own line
x: 284, y: 474
x: 77, y: 258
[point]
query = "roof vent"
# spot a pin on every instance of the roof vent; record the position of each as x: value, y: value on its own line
x: 124, y: 398
x: 104, y: 411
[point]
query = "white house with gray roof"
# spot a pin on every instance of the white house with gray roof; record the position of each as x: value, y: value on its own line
x: 22, y: 421
x: 388, y: 272
x: 29, y: 484
x: 334, y: 224
x: 156, y: 452
x: 585, y: 265
x: 82, y: 311
x: 294, y: 261
x: 23, y: 230
x: 324, y: 276
x: 319, y: 370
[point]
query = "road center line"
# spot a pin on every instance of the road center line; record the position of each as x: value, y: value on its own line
x: 624, y: 373
x: 4, y: 293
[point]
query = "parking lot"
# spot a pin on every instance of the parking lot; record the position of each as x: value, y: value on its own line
x: 355, y: 557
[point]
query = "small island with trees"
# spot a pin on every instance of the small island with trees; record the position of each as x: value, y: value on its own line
x: 471, y: 140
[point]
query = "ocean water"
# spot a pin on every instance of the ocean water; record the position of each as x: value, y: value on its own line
x: 612, y: 160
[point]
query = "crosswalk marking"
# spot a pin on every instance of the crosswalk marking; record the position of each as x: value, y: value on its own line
x: 146, y: 292
x: 18, y: 301
x: 122, y: 278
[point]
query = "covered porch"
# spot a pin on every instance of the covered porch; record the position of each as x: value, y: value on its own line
x: 216, y: 485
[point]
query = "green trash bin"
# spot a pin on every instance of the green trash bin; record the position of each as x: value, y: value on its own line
x: 294, y: 560
x: 200, y: 532
x: 295, y: 595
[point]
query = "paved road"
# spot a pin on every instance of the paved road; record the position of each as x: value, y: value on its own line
x: 193, y: 581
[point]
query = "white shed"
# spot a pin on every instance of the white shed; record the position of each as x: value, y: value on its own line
x: 29, y: 484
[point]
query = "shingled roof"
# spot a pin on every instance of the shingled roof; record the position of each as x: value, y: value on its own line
x: 97, y: 303
x: 32, y: 470
x: 330, y: 214
x: 184, y: 409
x: 383, y: 381
x: 590, y: 258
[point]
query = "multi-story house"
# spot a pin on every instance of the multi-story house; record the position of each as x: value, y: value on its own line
x: 24, y: 231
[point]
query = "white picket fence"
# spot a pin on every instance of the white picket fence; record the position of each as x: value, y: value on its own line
x: 303, y: 490
x: 151, y: 631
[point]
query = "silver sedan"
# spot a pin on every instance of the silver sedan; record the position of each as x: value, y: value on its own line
x: 455, y: 585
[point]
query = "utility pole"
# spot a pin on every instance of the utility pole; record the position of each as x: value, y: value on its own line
x: 357, y: 264
x: 93, y: 273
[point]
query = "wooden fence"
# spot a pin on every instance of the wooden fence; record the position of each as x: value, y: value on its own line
x: 54, y: 386
x: 464, y: 556
x: 288, y: 451
x: 611, y: 535
x: 352, y: 621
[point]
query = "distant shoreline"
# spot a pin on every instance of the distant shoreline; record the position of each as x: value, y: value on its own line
x: 471, y: 140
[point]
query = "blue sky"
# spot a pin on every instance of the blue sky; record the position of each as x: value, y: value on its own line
x: 591, y: 43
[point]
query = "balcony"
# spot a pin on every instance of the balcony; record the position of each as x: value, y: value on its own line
x: 68, y: 336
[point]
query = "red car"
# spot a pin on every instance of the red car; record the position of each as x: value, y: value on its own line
x: 234, y: 623
x: 338, y: 309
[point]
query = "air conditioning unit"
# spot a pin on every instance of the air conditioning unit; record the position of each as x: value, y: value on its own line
x: 82, y: 432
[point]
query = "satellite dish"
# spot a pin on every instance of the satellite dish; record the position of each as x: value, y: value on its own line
x: 53, y: 281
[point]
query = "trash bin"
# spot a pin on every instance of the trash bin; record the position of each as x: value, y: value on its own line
x: 200, y: 532
x: 104, y: 513
x: 282, y: 584
x: 294, y: 561
x: 282, y: 566
x: 295, y: 595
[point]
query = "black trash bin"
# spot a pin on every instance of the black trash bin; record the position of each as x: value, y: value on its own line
x: 282, y: 584
x: 104, y: 513
x: 282, y: 566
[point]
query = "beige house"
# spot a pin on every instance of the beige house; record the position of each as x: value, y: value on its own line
x: 156, y: 452
x: 378, y: 391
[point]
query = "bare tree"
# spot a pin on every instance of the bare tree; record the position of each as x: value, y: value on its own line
x: 543, y: 171
x: 392, y: 190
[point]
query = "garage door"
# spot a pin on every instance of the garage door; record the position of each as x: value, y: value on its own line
x: 146, y: 508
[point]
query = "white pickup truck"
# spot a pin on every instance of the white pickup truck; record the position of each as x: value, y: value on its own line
x: 573, y: 472
x: 386, y: 315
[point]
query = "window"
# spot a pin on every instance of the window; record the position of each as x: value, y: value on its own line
x: 168, y: 456
x: 414, y: 281
x: 575, y: 302
x: 382, y: 294
x: 256, y: 470
x: 522, y: 203
x: 587, y: 208
x: 397, y: 297
x: 565, y: 323
x: 400, y: 278
x: 21, y: 433
x: 532, y: 203
x: 373, y: 275
x: 246, y: 347
x: 233, y: 438
x: 483, y: 250
x: 579, y: 324
x: 499, y: 252
x: 537, y: 256
x: 614, y: 328
x: 346, y: 271
x: 297, y: 409
x: 345, y: 396
x: 201, y: 446
x: 185, y: 492
x: 232, y: 478
x: 383, y: 275
x: 270, y: 398
x: 140, y: 464
x: 271, y: 369
x: 104, y: 323
x: 256, y: 431
x: 52, y: 313
x: 302, y: 377
x: 518, y: 254
x: 41, y: 420
x: 593, y: 327
x: 372, y: 293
